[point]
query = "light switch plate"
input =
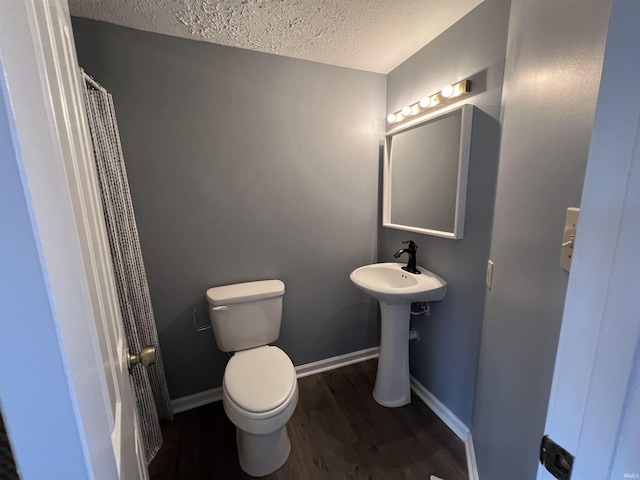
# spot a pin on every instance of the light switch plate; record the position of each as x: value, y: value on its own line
x: 569, y: 237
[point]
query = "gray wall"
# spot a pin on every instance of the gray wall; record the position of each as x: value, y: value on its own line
x: 445, y: 358
x: 245, y: 166
x: 552, y: 73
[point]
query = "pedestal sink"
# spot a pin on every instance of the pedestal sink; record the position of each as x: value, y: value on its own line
x: 395, y: 290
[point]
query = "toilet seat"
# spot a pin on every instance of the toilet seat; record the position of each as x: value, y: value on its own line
x: 260, y: 379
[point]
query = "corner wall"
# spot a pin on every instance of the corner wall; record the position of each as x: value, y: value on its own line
x: 444, y: 360
x: 552, y: 74
x: 245, y: 166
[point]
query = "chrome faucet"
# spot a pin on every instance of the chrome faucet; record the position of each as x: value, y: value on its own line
x: 411, y: 250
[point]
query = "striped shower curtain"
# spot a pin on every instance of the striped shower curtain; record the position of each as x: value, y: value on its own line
x: 150, y: 387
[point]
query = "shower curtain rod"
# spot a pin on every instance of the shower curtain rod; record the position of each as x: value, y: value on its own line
x: 92, y: 82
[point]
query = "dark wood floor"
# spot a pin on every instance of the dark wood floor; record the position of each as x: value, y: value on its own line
x: 336, y: 432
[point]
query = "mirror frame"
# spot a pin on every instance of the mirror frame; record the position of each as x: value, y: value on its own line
x: 463, y: 171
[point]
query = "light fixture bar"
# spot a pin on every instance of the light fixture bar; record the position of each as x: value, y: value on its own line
x: 446, y: 95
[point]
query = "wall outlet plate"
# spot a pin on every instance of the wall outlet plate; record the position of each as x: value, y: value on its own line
x: 569, y: 237
x: 489, y: 278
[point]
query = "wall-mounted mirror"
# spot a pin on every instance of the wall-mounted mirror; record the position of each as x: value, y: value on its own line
x: 425, y: 174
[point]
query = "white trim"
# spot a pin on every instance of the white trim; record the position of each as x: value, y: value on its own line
x: 456, y: 425
x: 472, y: 466
x: 462, y: 177
x: 199, y: 399
x: 196, y: 400
x: 440, y: 409
x: 337, y: 362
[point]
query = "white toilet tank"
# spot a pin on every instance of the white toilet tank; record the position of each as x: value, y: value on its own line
x: 246, y: 315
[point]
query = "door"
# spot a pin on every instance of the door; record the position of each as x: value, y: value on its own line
x: 594, y: 408
x: 44, y: 86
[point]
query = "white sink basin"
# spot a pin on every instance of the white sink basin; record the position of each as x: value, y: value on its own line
x: 388, y: 283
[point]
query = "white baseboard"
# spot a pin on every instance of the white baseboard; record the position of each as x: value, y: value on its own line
x: 456, y: 425
x: 336, y: 362
x: 196, y: 400
x: 472, y: 466
x: 440, y: 409
x: 199, y: 399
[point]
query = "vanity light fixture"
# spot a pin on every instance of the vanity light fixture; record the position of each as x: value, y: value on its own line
x: 447, y: 91
x: 447, y: 94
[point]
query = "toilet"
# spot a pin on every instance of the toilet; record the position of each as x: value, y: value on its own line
x: 259, y: 387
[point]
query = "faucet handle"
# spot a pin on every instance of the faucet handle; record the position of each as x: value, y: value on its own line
x: 412, y: 245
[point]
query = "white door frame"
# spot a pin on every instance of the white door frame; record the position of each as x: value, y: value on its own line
x: 601, y: 324
x: 56, y: 381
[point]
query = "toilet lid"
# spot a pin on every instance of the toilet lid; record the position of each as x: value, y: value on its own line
x: 259, y: 379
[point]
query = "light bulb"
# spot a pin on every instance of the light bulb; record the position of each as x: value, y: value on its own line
x: 424, y: 102
x: 446, y: 91
x: 391, y: 117
x: 406, y: 111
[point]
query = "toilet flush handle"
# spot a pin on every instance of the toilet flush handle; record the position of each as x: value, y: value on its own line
x: 221, y: 308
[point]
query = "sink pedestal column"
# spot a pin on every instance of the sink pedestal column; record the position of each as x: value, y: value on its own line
x: 392, y: 378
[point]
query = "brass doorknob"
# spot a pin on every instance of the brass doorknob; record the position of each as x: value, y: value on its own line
x: 146, y: 357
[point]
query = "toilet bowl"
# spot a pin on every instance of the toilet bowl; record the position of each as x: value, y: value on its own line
x: 259, y: 395
x: 259, y: 388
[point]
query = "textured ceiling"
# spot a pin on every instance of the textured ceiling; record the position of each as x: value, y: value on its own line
x: 372, y: 35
